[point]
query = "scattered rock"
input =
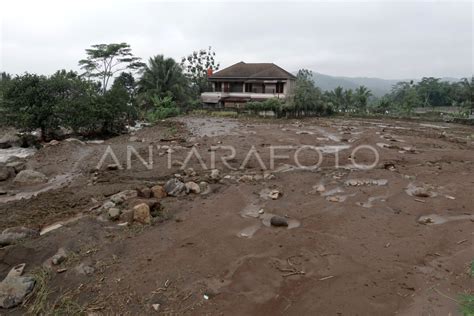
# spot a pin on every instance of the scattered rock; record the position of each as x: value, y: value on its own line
x: 192, y: 187
x: 59, y: 257
x: 54, y: 142
x: 15, y: 234
x: 123, y: 196
x: 156, y: 307
x: 14, y: 288
x: 141, y: 213
x: 113, y: 167
x: 84, y: 269
x: 270, y: 194
x: 278, y: 221
x: 158, y: 192
x: 127, y: 216
x: 6, y: 172
x: 17, y: 164
x: 75, y: 141
x: 215, y: 174
x: 114, y: 213
x: 106, y: 206
x: 30, y: 177
x: 133, y: 139
x: 9, y: 140
x: 174, y: 187
x: 205, y: 187
x: 190, y: 172
x: 145, y: 192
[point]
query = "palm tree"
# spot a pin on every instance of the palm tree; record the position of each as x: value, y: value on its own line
x: 161, y: 78
x: 362, y: 94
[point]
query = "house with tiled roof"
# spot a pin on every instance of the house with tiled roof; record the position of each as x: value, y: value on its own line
x: 244, y: 82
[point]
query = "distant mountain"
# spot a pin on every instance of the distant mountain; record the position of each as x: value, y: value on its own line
x: 378, y: 86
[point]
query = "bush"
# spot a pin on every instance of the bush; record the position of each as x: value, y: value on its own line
x: 163, y: 108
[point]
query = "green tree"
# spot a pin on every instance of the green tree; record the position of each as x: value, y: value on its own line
x: 105, y: 60
x: 196, y: 66
x: 362, y: 95
x: 307, y: 98
x: 161, y: 78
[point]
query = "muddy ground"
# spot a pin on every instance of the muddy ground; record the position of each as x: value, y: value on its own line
x: 370, y: 245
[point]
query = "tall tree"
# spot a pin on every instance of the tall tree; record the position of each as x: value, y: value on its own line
x: 163, y: 77
x: 105, y: 60
x: 362, y: 94
x: 196, y: 66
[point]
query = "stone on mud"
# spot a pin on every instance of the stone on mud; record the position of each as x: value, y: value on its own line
x: 14, y: 234
x: 9, y: 140
x: 174, y: 187
x: 6, y: 172
x: 205, y: 187
x: 192, y: 187
x: 84, y: 269
x: 215, y: 174
x: 158, y: 192
x: 123, y: 196
x: 145, y: 192
x: 59, y: 257
x: 30, y: 177
x: 141, y: 213
x: 114, y: 213
x: 127, y: 216
x: 278, y: 221
x: 14, y: 288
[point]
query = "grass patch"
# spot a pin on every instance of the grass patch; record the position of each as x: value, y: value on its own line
x: 467, y: 304
x: 38, y: 301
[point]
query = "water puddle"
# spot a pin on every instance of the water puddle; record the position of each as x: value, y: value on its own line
x: 434, y: 219
x: 19, y: 152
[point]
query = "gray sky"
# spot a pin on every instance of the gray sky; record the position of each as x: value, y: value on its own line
x: 374, y: 39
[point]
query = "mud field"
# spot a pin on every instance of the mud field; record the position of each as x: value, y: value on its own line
x: 393, y: 239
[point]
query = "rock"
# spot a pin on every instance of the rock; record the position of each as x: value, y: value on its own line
x: 30, y: 177
x: 53, y: 142
x: 215, y: 174
x: 205, y: 187
x: 106, y: 206
x: 74, y: 141
x: 158, y: 192
x: 123, y: 196
x: 192, y: 187
x: 270, y: 194
x: 190, y: 172
x: 141, y: 213
x: 174, y: 187
x: 84, y: 269
x: 6, y: 172
x: 133, y: 139
x: 114, y: 213
x: 59, y: 257
x: 14, y: 288
x: 9, y: 140
x: 278, y: 221
x: 15, y: 234
x: 113, y: 167
x: 145, y: 192
x: 126, y: 216
x: 156, y: 307
x: 17, y: 164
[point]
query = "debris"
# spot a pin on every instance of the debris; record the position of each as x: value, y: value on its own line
x: 327, y: 278
x: 145, y: 192
x: 123, y: 196
x: 215, y: 174
x: 141, y: 213
x: 59, y: 257
x: 114, y: 213
x: 270, y: 194
x: 84, y: 269
x: 174, y: 187
x: 158, y: 192
x: 278, y: 221
x: 15, y: 234
x: 50, y: 228
x: 113, y: 167
x: 156, y: 307
x: 30, y: 177
x: 360, y: 182
x: 461, y: 241
x: 14, y: 288
x: 192, y: 187
x: 205, y: 187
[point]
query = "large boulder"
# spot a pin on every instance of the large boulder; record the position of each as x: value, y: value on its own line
x: 141, y: 213
x: 30, y: 177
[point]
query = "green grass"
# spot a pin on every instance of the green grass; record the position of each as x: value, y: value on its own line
x: 467, y: 304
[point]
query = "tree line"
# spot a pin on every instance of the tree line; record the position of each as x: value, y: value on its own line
x: 115, y: 89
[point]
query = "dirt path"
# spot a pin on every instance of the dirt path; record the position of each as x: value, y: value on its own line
x: 357, y: 242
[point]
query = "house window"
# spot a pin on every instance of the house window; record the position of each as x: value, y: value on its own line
x: 226, y: 87
x: 218, y: 86
x: 248, y: 87
x: 279, y: 87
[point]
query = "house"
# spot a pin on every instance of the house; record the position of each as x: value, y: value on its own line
x: 235, y: 85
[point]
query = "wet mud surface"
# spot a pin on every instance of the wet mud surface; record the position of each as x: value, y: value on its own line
x: 381, y: 241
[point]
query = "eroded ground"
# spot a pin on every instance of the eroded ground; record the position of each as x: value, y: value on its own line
x: 394, y: 239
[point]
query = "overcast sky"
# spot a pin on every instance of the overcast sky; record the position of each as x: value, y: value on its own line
x: 393, y: 40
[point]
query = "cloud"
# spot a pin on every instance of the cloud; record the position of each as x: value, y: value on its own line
x: 383, y: 39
